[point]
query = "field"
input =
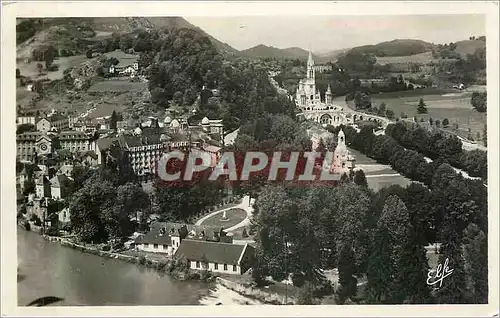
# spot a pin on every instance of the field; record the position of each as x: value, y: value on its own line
x: 234, y: 216
x: 423, y: 58
x: 454, y: 106
x: 378, y: 176
x: 117, y: 85
x: 30, y: 70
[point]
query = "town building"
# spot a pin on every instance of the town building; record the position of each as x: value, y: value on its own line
x: 57, y: 186
x: 61, y: 122
x: 26, y: 119
x: 74, y: 141
x: 29, y: 144
x: 323, y: 68
x: 217, y: 257
x: 43, y: 125
x: 166, y: 237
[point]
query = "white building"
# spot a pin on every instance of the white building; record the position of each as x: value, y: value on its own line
x: 308, y: 100
x: 216, y: 256
x: 43, y: 125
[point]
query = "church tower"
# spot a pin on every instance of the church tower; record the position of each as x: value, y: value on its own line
x: 310, y: 67
x: 328, y: 95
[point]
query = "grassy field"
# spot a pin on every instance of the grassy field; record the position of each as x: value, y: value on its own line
x: 117, y: 85
x: 455, y: 107
x: 234, y: 216
x: 417, y: 58
x: 380, y: 178
x: 30, y: 70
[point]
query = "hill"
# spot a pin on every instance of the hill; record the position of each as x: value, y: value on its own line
x: 73, y: 33
x: 330, y: 56
x: 469, y: 46
x: 261, y: 50
x: 398, y: 47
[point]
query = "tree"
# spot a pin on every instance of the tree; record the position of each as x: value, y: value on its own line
x: 25, y: 128
x: 88, y: 53
x: 18, y: 73
x: 485, y: 135
x: 29, y: 186
x: 130, y: 200
x: 422, y: 107
x: 347, y: 280
x: 114, y: 120
x: 39, y: 66
x: 380, y: 268
x: 431, y: 121
x: 389, y: 114
x: 382, y: 109
x: 446, y: 122
x: 360, y: 178
x: 479, y: 101
x: 454, y: 289
x: 92, y: 211
x: 437, y: 122
x: 476, y: 264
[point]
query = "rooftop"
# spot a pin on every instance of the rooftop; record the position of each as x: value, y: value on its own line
x: 217, y: 252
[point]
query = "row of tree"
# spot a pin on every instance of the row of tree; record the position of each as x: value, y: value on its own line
x: 438, y: 145
x: 381, y: 236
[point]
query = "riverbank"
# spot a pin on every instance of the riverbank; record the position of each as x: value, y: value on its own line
x: 224, y: 292
x: 174, y: 268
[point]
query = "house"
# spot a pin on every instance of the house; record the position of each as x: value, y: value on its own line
x: 127, y: 63
x: 167, y: 237
x: 66, y: 170
x: 64, y: 216
x: 57, y: 184
x: 43, y: 125
x: 42, y: 187
x: 88, y: 158
x: 216, y: 256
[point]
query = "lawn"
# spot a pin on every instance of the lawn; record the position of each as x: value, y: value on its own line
x: 117, y: 85
x: 30, y: 70
x: 378, y: 182
x: 234, y: 216
x: 455, y: 107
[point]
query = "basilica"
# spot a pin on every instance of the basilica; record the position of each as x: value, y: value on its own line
x: 308, y: 100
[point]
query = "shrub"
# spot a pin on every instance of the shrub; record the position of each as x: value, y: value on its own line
x: 142, y: 260
x: 27, y: 226
x: 161, y: 266
x: 53, y: 68
x: 205, y: 275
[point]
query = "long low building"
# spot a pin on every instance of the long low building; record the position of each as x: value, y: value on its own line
x: 216, y: 256
x: 167, y: 237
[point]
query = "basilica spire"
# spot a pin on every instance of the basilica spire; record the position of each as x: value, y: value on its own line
x: 310, y: 61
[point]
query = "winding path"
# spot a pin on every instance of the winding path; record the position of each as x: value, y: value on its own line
x: 246, y: 205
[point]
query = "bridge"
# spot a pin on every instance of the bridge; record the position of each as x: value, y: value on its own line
x: 335, y: 116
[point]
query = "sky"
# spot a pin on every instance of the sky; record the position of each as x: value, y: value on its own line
x: 328, y: 33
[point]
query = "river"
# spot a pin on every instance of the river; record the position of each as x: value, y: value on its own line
x: 49, y: 269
